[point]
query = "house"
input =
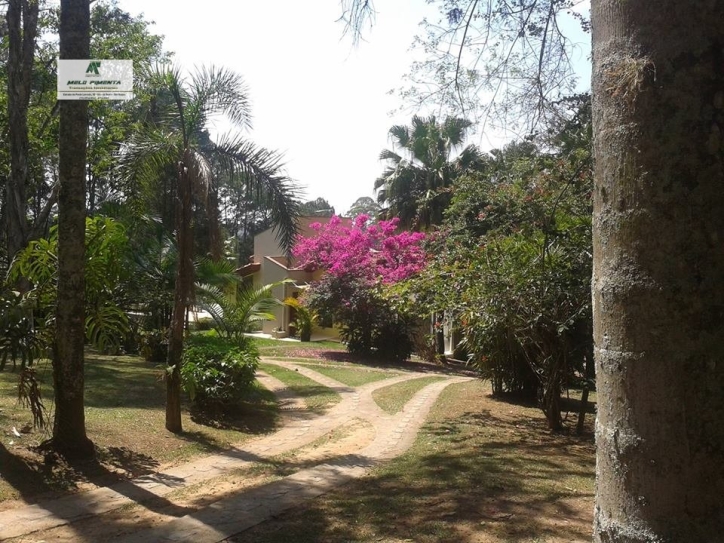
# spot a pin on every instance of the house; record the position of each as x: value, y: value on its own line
x: 269, y: 265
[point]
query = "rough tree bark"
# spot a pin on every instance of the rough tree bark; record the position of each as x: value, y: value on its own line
x: 22, y: 20
x: 69, y: 434
x: 658, y: 105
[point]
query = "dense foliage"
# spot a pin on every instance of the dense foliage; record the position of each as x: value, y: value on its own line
x: 218, y: 374
x: 360, y: 259
x: 106, y: 285
x: 20, y: 340
x: 512, y: 265
x: 415, y: 187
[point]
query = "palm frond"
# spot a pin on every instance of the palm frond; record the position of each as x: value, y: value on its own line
x: 216, y: 272
x: 454, y: 130
x: 200, y: 172
x: 219, y: 91
x: 234, y: 313
x: 386, y: 154
x: 400, y: 135
x: 258, y: 302
x: 217, y: 303
x: 262, y: 171
x: 471, y: 158
x: 165, y: 85
x: 147, y: 154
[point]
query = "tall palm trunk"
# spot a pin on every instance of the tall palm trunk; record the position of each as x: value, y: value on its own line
x: 69, y: 435
x: 658, y: 90
x: 182, y: 294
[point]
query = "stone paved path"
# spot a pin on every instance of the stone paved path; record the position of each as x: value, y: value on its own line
x: 231, y: 515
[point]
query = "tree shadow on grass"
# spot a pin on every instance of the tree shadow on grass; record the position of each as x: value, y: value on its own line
x: 109, y: 387
x: 127, y: 460
x: 39, y: 475
x: 496, y: 500
x: 30, y: 476
x: 489, y: 474
x: 256, y: 416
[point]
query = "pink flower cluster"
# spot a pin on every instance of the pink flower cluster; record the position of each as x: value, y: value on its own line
x: 362, y: 250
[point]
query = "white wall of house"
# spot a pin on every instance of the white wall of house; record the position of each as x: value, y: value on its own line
x: 274, y: 268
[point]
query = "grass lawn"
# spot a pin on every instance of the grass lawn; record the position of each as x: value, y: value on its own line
x: 125, y: 416
x: 394, y: 397
x: 351, y: 376
x: 481, y: 470
x: 316, y: 396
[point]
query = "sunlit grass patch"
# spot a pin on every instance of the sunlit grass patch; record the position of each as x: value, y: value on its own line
x: 394, y: 397
x: 316, y: 396
x: 352, y: 376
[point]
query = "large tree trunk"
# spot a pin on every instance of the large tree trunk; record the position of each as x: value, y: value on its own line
x: 658, y: 108
x: 22, y: 20
x: 69, y: 435
x: 183, y: 290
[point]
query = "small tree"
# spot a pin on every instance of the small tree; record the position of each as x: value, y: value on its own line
x: 360, y: 260
x: 513, y: 262
x: 178, y: 140
x: 234, y: 306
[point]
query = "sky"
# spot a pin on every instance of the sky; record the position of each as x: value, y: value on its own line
x: 316, y: 97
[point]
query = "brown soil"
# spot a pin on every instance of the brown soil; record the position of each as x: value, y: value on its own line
x: 490, y: 515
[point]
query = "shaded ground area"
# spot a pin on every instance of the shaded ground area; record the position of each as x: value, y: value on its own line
x: 126, y: 402
x: 310, y: 454
x: 481, y: 470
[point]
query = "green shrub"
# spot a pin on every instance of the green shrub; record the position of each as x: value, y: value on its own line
x: 203, y: 324
x: 392, y: 340
x: 153, y: 345
x: 19, y: 337
x: 216, y: 373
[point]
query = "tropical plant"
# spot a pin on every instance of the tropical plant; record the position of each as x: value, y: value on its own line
x: 415, y: 186
x: 305, y: 318
x: 234, y: 305
x: 47, y: 148
x: 513, y: 262
x: 218, y: 374
x: 153, y: 345
x: 106, y: 273
x: 175, y: 140
x: 20, y: 339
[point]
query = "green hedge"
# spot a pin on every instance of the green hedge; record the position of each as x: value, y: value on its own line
x: 217, y: 373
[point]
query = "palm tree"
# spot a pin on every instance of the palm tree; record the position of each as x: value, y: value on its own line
x: 234, y: 305
x: 174, y: 139
x: 415, y: 187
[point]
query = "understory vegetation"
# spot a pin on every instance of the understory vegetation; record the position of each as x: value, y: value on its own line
x: 487, y: 253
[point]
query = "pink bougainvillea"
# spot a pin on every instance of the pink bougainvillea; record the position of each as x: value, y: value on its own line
x: 363, y: 250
